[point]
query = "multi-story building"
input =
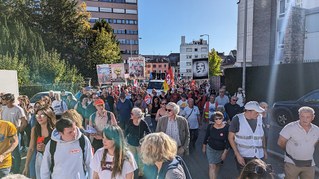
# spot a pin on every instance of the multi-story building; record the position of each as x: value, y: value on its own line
x: 277, y: 31
x: 122, y: 15
x: 157, y: 65
x: 190, y: 51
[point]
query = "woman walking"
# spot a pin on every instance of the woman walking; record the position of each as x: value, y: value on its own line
x: 136, y: 129
x: 113, y: 160
x: 216, y: 144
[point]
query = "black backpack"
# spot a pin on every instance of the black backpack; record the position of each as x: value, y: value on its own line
x: 53, y: 148
x: 174, y: 164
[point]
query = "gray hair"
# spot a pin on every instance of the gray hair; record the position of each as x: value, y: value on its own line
x: 139, y: 113
x: 174, y: 107
x: 306, y: 109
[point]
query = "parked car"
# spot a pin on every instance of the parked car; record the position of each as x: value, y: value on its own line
x: 39, y: 95
x: 287, y: 111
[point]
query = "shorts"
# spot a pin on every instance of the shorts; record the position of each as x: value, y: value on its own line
x: 214, y: 156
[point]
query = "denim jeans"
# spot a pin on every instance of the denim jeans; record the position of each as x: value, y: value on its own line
x: 16, y: 161
x: 4, y: 172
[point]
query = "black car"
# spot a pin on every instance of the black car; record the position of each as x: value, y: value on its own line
x: 287, y: 111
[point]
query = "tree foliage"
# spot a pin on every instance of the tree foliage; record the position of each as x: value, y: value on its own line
x: 214, y: 63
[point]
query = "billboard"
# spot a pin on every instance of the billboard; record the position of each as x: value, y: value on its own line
x: 118, y: 72
x: 200, y: 68
x: 103, y: 73
x: 136, y: 67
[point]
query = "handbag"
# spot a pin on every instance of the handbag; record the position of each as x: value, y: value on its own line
x: 300, y: 163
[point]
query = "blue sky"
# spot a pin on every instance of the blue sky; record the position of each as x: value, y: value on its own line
x: 163, y: 22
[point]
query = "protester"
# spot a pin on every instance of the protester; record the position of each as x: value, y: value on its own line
x: 75, y: 117
x: 161, y: 111
x: 209, y: 108
x: 14, y: 114
x: 159, y: 150
x: 266, y: 120
x: 40, y: 136
x: 298, y: 139
x: 257, y: 169
x: 59, y: 106
x: 123, y: 108
x: 113, y: 160
x: 176, y: 127
x: 9, y: 141
x: 72, y: 153
x: 154, y: 107
x: 99, y: 120
x: 242, y: 128
x: 216, y: 144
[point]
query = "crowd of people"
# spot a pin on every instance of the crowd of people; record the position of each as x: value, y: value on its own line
x: 124, y: 132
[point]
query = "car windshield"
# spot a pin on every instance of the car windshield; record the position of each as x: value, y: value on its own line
x: 155, y: 85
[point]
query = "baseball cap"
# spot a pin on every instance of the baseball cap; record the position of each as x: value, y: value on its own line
x: 99, y: 102
x: 254, y: 105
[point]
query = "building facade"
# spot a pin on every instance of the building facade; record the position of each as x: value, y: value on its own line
x: 188, y: 52
x: 277, y: 31
x: 157, y: 65
x: 122, y: 15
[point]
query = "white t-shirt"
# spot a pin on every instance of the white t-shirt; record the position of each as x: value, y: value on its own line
x: 13, y: 114
x: 182, y: 104
x: 192, y: 116
x: 128, y: 166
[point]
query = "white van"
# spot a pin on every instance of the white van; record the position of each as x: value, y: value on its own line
x: 155, y: 84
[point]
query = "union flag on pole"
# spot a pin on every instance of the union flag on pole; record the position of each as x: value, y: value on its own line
x: 170, y: 77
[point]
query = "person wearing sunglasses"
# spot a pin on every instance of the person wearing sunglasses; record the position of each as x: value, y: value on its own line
x: 176, y: 127
x: 216, y: 143
x: 162, y: 110
x: 232, y: 108
x: 257, y: 169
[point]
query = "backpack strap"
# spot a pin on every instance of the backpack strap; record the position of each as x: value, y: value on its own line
x: 93, y: 119
x: 52, y: 151
x: 108, y: 117
x: 53, y: 148
x: 186, y: 171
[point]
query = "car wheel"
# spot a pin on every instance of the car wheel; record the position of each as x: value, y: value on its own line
x: 282, y: 118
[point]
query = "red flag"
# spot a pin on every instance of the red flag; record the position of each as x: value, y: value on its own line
x: 170, y: 77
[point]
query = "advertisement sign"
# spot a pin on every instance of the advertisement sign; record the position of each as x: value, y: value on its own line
x: 103, y: 73
x: 136, y: 67
x: 200, y: 68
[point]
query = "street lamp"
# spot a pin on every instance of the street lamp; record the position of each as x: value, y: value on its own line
x: 208, y: 40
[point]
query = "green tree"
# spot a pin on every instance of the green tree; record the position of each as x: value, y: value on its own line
x: 13, y: 63
x: 214, y: 63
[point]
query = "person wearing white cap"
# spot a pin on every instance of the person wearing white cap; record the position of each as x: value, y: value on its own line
x: 246, y: 135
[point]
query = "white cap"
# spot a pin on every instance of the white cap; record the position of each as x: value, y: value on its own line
x: 254, y: 105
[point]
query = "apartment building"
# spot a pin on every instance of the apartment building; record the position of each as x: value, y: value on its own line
x: 188, y: 52
x: 122, y: 15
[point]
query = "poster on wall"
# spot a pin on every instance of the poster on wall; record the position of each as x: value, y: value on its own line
x: 117, y: 72
x: 136, y: 67
x: 103, y: 74
x: 200, y: 68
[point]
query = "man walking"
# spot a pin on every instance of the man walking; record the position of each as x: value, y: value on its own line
x: 68, y: 154
x: 176, y: 127
x: 246, y: 135
x: 298, y: 139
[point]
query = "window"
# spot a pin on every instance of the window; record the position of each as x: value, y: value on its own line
x: 159, y: 66
x: 131, y: 11
x: 130, y: 1
x: 188, y: 70
x: 154, y: 66
x: 196, y: 56
x: 204, y: 49
x: 122, y: 41
x: 282, y: 7
x: 188, y: 49
x: 93, y: 19
x: 118, y: 10
x: 92, y: 9
x: 196, y: 49
x: 313, y: 98
x: 188, y: 56
x: 104, y: 9
x: 188, y: 63
x: 204, y: 56
x: 164, y: 65
x: 281, y: 38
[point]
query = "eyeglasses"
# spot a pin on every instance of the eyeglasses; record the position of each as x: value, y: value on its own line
x: 39, y: 116
x: 218, y: 118
x: 168, y: 110
x: 234, y: 99
x: 163, y: 103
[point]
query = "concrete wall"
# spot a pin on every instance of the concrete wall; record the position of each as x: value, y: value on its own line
x: 9, y: 82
